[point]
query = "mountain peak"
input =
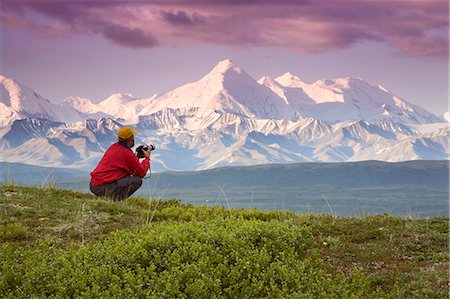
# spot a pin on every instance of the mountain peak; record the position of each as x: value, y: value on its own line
x: 289, y: 80
x: 266, y: 80
x: 224, y: 66
x: 125, y: 96
x: 346, y: 82
x: 20, y: 101
x: 226, y: 118
x: 3, y: 78
x: 10, y: 81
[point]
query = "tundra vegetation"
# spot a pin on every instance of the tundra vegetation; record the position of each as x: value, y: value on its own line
x: 59, y: 243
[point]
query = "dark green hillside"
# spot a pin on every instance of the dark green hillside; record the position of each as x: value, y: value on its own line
x: 417, y: 188
x: 34, y: 175
x: 412, y: 188
x: 349, y: 174
x: 56, y: 243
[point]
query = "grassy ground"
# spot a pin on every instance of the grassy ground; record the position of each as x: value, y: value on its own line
x: 146, y: 248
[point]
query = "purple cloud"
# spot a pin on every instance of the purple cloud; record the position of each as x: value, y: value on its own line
x: 59, y: 10
x: 415, y: 28
x: 129, y: 37
x: 181, y: 18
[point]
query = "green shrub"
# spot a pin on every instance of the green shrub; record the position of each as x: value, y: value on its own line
x: 220, y: 258
x: 56, y: 243
x: 13, y: 232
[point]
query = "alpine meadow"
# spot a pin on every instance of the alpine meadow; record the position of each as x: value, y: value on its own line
x: 57, y: 243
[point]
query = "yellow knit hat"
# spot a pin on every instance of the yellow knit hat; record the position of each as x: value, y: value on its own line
x: 125, y: 133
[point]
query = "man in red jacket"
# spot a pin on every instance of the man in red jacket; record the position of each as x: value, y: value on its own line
x: 119, y: 173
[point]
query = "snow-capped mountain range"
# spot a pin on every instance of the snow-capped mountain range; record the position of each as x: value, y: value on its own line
x: 225, y: 118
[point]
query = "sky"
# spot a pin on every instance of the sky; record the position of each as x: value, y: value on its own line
x: 93, y: 49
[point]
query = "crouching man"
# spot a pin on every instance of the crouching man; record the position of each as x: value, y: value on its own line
x: 119, y: 173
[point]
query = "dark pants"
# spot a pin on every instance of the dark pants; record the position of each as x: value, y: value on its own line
x: 118, y: 190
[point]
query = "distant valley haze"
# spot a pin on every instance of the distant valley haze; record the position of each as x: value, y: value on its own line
x: 405, y: 189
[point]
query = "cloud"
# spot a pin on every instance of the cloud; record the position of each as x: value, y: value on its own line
x: 181, y: 18
x: 415, y: 28
x: 129, y: 37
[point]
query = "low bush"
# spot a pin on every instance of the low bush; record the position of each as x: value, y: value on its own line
x: 64, y: 244
x: 232, y: 258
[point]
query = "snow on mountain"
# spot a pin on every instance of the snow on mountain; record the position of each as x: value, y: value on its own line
x: 233, y: 140
x: 296, y: 98
x: 121, y: 106
x: 319, y: 92
x: 413, y: 148
x: 124, y: 106
x: 85, y: 106
x: 20, y: 131
x: 44, y: 142
x: 446, y: 116
x: 225, y: 118
x: 349, y: 99
x: 226, y: 88
x: 18, y: 101
x: 240, y: 140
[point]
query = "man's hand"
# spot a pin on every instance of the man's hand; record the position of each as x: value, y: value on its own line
x: 146, y: 152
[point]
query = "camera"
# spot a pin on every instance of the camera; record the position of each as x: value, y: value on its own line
x: 140, y: 150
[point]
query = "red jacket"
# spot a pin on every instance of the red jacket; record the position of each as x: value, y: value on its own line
x: 118, y: 162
